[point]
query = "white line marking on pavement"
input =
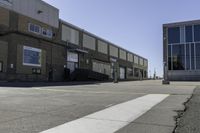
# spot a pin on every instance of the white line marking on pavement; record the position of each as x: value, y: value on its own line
x: 111, y: 119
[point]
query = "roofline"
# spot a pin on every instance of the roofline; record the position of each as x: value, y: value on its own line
x: 49, y: 5
x: 97, y: 37
x: 181, y: 23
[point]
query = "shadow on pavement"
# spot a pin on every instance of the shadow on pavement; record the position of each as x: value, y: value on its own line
x: 43, y: 84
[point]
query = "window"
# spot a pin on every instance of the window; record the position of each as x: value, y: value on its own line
x: 188, y: 55
x: 174, y: 35
x: 136, y: 72
x: 189, y: 33
x: 197, y: 55
x: 178, y: 56
x: 34, y: 28
x: 47, y: 33
x: 196, y: 33
x: 192, y: 57
x: 32, y: 56
x: 1, y: 66
x: 130, y: 72
x: 169, y: 57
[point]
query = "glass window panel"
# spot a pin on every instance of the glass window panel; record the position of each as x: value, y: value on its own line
x: 174, y: 35
x: 178, y: 56
x: 189, y: 33
x: 197, y: 55
x: 187, y: 56
x: 192, y: 57
x: 196, y: 33
x: 169, y: 58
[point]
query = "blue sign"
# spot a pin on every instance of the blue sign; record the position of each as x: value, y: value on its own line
x: 31, y: 56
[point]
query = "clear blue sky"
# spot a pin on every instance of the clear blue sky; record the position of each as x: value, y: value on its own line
x: 135, y: 25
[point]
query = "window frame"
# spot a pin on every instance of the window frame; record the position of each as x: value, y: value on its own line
x: 35, y: 50
x: 35, y: 25
x: 49, y: 32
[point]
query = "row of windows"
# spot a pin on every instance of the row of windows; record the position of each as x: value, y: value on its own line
x: 40, y: 30
x: 102, y: 46
x: 184, y: 56
x: 184, y: 34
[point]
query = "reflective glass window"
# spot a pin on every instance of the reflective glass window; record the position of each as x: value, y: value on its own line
x: 174, y: 35
x: 178, y: 56
x: 196, y: 33
x: 189, y: 33
x: 192, y: 57
x: 187, y: 56
x: 197, y: 55
x: 169, y: 58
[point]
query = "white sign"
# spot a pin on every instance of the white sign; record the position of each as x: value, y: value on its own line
x: 6, y: 2
x: 32, y: 56
x: 72, y: 57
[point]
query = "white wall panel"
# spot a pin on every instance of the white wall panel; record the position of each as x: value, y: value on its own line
x: 130, y: 57
x: 136, y: 59
x: 102, y: 47
x: 141, y: 62
x: 70, y: 35
x: 89, y: 42
x: 122, y: 54
x: 113, y: 51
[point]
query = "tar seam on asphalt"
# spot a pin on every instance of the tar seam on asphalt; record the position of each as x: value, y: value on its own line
x: 181, y: 112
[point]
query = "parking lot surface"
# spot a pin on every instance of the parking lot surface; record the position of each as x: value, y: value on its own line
x: 126, y: 107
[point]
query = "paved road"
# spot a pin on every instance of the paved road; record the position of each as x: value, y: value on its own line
x: 37, y: 109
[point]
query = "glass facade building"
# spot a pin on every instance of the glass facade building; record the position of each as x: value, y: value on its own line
x: 182, y: 50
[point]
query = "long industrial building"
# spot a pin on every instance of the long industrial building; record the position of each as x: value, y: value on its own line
x: 35, y: 45
x: 182, y: 51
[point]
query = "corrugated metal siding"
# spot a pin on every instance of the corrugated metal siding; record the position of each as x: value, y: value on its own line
x: 113, y: 51
x: 122, y: 54
x: 69, y: 34
x: 102, y: 47
x: 130, y: 57
x: 30, y: 8
x: 89, y: 42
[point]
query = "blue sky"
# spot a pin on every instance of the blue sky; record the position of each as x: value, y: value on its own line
x: 135, y: 25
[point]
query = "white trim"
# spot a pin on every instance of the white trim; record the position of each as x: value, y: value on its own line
x: 29, y: 28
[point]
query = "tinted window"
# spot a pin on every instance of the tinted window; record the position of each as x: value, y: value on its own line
x: 174, y: 35
x: 192, y: 57
x: 197, y: 33
x: 188, y: 56
x: 169, y: 58
x: 178, y: 56
x: 198, y: 55
x: 189, y: 33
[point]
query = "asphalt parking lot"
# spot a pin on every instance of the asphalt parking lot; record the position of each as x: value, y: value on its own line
x: 40, y: 109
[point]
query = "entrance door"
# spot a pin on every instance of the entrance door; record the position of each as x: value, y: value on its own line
x: 72, y: 61
x: 122, y: 73
x: 72, y: 66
